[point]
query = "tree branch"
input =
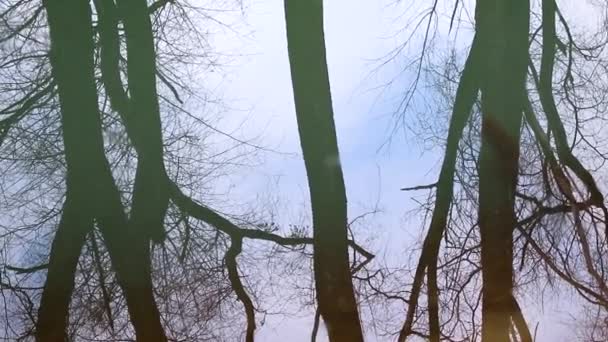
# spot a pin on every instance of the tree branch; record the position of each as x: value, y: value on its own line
x: 237, y: 285
x: 465, y: 98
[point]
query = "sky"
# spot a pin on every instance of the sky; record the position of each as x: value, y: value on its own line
x: 256, y: 83
x: 259, y: 81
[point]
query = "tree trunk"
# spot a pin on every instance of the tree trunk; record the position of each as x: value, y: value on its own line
x: 503, y: 28
x: 466, y: 94
x: 333, y: 282
x: 72, y: 63
x: 151, y: 191
x: 141, y: 117
x: 53, y: 314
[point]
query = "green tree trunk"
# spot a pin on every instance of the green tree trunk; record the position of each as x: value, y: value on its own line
x: 90, y: 177
x: 503, y: 29
x: 53, y: 314
x: 151, y: 192
x: 72, y: 61
x: 333, y: 282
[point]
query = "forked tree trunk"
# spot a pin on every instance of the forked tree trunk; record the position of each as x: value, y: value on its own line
x: 90, y: 176
x: 333, y: 282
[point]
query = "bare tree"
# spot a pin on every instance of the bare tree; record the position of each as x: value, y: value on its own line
x: 88, y: 169
x: 333, y: 282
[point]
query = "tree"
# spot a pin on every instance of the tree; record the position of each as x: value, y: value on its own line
x: 534, y: 203
x: 196, y: 267
x: 106, y: 177
x: 503, y: 28
x: 89, y: 176
x: 333, y: 282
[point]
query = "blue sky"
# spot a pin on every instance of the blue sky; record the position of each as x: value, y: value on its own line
x: 356, y: 37
x: 256, y: 81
